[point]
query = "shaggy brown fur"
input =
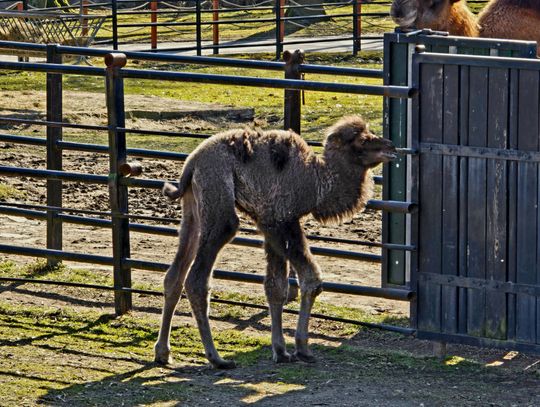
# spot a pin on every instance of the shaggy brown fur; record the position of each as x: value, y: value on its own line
x: 511, y: 19
x: 276, y: 179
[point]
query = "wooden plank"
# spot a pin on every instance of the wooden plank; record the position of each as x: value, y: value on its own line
x: 527, y: 200
x: 496, y: 237
x: 431, y: 105
x: 512, y: 201
x: 450, y: 198
x: 476, y: 200
x: 463, y: 182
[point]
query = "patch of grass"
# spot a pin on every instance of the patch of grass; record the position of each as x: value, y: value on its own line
x: 7, y: 192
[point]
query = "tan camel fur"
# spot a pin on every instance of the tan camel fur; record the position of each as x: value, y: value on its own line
x: 276, y: 179
x: 509, y: 19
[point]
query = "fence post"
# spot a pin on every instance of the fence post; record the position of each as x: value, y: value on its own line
x: 280, y: 27
x: 198, y: 28
x: 215, y: 26
x: 153, y: 28
x: 118, y: 194
x: 357, y: 26
x: 54, y: 154
x: 292, y: 105
x: 114, y: 12
x: 84, y: 12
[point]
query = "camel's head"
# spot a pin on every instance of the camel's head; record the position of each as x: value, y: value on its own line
x: 432, y: 14
x: 351, y: 137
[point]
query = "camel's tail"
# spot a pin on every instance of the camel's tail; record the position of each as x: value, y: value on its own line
x: 173, y: 191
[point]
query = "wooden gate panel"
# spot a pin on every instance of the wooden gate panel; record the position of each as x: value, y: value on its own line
x: 476, y: 123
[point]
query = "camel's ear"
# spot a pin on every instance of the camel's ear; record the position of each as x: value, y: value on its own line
x: 342, y: 135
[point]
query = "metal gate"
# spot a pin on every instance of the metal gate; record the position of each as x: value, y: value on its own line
x: 476, y: 127
x: 398, y: 50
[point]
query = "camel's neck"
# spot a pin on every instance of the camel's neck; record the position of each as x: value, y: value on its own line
x: 343, y: 190
x: 462, y: 21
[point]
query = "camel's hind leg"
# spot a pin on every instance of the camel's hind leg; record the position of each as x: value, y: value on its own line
x: 309, y: 278
x: 174, y: 279
x: 219, y: 224
x: 276, y: 286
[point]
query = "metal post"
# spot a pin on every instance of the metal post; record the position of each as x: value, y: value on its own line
x: 153, y: 20
x: 280, y: 27
x: 357, y: 26
x: 293, y: 100
x: 118, y: 194
x: 84, y: 12
x: 54, y: 154
x: 215, y: 27
x: 114, y: 11
x: 198, y: 28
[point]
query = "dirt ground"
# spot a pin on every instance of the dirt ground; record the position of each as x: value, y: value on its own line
x: 497, y: 377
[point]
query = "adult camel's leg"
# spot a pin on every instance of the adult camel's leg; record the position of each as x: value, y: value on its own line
x: 174, y: 279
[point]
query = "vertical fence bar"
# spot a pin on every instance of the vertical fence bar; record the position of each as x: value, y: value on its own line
x: 54, y: 154
x: 357, y: 26
x: 280, y: 27
x: 293, y: 103
x: 84, y: 12
x: 118, y: 194
x: 198, y: 28
x: 153, y: 28
x: 114, y: 12
x: 215, y: 27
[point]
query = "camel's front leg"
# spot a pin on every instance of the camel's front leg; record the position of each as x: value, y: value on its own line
x: 310, y: 281
x: 276, y: 286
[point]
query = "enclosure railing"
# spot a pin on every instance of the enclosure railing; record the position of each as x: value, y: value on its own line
x: 119, y: 179
x: 200, y: 21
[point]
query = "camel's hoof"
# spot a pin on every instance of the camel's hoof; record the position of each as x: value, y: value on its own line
x: 304, y: 357
x: 162, y: 355
x: 163, y: 359
x: 283, y: 357
x: 223, y: 364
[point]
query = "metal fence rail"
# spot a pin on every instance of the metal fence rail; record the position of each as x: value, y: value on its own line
x: 118, y: 218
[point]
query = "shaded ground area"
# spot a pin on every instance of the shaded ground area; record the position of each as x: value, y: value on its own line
x: 63, y: 347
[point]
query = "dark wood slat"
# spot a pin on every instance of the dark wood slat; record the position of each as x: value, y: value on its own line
x: 476, y: 200
x: 496, y: 237
x: 463, y: 182
x: 450, y: 198
x: 512, y: 200
x: 431, y: 105
x: 527, y: 199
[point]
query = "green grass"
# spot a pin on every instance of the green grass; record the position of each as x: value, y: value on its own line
x: 7, y: 192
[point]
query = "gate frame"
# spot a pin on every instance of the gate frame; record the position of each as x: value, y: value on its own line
x: 399, y: 48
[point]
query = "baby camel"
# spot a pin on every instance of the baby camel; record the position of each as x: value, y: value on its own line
x: 276, y: 179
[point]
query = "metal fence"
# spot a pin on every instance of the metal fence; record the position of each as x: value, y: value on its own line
x: 201, y: 23
x: 119, y: 219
